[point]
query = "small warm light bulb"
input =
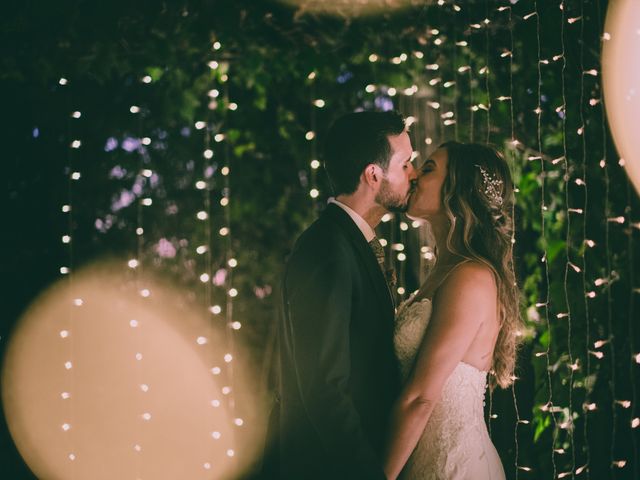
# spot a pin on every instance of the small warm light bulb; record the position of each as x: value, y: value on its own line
x: 202, y: 215
x: 200, y: 125
x: 232, y: 262
x: 146, y: 416
x: 315, y: 164
x: 216, y: 370
x: 225, y: 171
x: 147, y: 79
x: 204, y: 278
x: 63, y: 81
x: 64, y: 270
x: 228, y: 358
x: 226, y: 390
x: 145, y: 292
x: 233, y: 292
x: 139, y: 231
x: 224, y: 231
x: 239, y: 422
x: 208, y: 154
x: 219, y: 137
x: 147, y: 202
x: 216, y: 309
x: 310, y: 135
x: 236, y: 325
x: 78, y: 302
x: 133, y: 323
x: 370, y: 88
x: 66, y: 239
x: 68, y: 365
x: 64, y: 333
x: 144, y: 387
x: 75, y: 176
x: 201, y: 340
x: 373, y: 58
x: 201, y: 249
x: 133, y: 263
x: 134, y: 109
x: 314, y: 193
x: 391, y: 91
x: 216, y: 435
x: 230, y: 453
x: 319, y: 103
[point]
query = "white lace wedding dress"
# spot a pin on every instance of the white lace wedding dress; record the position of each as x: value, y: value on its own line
x: 455, y: 444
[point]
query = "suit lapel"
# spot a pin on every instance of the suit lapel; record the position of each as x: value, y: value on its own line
x: 363, y: 251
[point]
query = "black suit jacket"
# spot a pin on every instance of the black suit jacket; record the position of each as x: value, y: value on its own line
x: 338, y: 372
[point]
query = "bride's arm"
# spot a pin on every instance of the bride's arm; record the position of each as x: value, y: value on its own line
x: 463, y: 303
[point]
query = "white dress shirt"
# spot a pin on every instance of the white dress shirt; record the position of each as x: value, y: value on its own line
x: 361, y: 223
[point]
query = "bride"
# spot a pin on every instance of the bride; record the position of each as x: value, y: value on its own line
x: 460, y: 327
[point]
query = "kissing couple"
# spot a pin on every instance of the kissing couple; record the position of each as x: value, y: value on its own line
x: 369, y: 391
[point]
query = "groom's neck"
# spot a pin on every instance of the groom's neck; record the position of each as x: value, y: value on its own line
x: 365, y: 206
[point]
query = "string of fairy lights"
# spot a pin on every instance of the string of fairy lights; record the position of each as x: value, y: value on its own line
x: 136, y: 264
x: 312, y: 138
x: 214, y: 135
x: 585, y: 295
x: 567, y: 423
x: 509, y: 54
x: 66, y: 334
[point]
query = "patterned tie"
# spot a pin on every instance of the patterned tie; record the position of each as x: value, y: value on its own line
x: 389, y: 273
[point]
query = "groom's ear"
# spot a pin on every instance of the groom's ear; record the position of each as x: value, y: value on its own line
x: 372, y: 174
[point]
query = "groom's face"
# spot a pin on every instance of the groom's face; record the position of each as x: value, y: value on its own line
x: 398, y: 180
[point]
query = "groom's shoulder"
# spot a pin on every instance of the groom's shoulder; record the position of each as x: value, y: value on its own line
x: 323, y: 236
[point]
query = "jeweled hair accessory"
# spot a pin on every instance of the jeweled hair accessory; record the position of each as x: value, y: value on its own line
x: 492, y: 187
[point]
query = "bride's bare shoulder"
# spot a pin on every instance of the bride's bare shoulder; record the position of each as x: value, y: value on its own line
x: 473, y: 278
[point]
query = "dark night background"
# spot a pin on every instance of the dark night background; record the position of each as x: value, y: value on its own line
x: 489, y: 77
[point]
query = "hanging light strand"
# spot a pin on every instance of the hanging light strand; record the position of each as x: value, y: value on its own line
x: 585, y: 295
x: 229, y: 261
x: 67, y: 335
x: 513, y: 238
x: 568, y: 265
x: 543, y: 209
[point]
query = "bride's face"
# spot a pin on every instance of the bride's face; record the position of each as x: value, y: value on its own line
x: 426, y: 202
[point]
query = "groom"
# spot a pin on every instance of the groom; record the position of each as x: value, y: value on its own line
x: 338, y: 372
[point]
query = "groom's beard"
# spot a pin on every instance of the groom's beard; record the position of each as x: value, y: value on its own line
x: 392, y: 201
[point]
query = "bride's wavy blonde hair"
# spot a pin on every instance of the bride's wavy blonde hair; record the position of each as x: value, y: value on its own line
x: 478, y: 199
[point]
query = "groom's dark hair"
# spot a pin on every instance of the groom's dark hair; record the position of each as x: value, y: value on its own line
x: 354, y: 141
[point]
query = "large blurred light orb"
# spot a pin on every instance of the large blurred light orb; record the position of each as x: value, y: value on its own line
x: 101, y: 382
x: 621, y: 79
x: 352, y: 8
